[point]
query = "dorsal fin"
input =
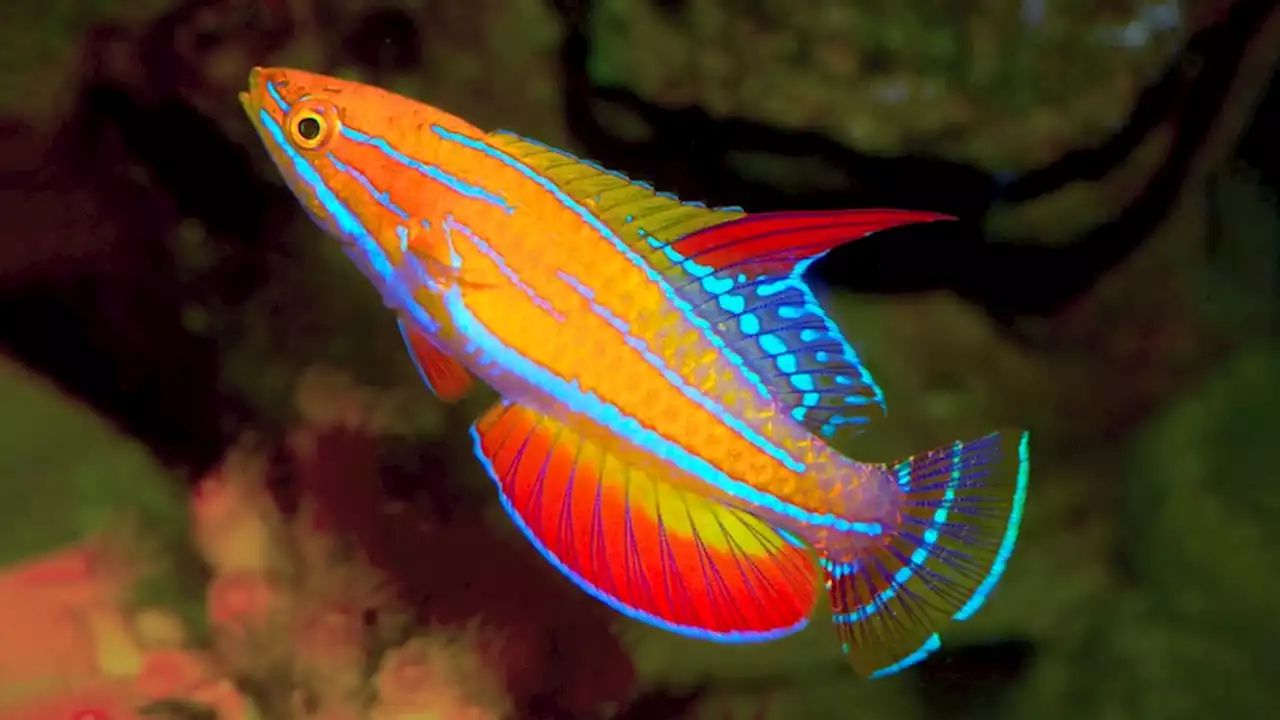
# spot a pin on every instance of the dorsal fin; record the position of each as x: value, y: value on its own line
x: 775, y: 244
x: 746, y: 277
x: 743, y: 274
x: 633, y: 210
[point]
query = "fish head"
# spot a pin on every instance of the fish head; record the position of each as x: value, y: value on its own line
x: 347, y: 151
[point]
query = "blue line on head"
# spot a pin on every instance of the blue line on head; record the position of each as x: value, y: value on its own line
x: 348, y: 224
x: 452, y: 182
x: 275, y: 95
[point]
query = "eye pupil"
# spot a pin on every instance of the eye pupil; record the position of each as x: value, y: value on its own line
x: 309, y: 128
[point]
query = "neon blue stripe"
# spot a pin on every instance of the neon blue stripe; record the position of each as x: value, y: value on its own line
x: 571, y: 395
x: 348, y: 224
x: 846, y: 350
x: 451, y: 223
x: 929, y: 647
x: 749, y: 325
x: 1010, y: 534
x: 383, y: 198
x: 674, y: 378
x: 654, y: 276
x: 275, y: 95
x: 455, y: 184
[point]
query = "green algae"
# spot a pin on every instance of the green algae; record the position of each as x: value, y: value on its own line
x: 68, y: 474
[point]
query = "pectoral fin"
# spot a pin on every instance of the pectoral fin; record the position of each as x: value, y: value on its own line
x: 446, y: 377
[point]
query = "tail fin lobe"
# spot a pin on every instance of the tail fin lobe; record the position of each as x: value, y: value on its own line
x: 959, y: 523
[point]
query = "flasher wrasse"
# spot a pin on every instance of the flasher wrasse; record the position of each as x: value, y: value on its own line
x: 668, y: 378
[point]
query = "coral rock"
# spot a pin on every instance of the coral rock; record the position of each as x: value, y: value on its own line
x: 227, y: 700
x: 437, y: 677
x: 233, y: 515
x: 158, y: 629
x: 117, y: 651
x: 241, y: 601
x: 172, y: 673
x: 330, y: 650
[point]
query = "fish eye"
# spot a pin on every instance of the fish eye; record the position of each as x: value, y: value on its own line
x: 311, y: 125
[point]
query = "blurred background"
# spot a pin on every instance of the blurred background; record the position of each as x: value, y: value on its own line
x: 225, y: 492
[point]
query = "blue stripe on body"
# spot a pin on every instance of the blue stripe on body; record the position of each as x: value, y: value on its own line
x: 574, y: 398
x: 569, y: 203
x: 674, y: 378
x: 605, y: 231
x: 451, y: 223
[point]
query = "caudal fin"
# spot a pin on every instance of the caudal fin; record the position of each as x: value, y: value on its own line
x: 959, y: 523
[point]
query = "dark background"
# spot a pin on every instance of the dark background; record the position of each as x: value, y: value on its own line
x: 1112, y: 286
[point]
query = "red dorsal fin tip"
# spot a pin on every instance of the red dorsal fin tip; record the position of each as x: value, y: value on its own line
x: 773, y: 243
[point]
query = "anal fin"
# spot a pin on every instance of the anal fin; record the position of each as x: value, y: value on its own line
x: 647, y: 548
x: 446, y: 377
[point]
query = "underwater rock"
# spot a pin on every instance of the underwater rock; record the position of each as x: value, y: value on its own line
x: 438, y: 675
x: 990, y: 85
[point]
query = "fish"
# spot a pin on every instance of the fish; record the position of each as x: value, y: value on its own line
x: 669, y: 384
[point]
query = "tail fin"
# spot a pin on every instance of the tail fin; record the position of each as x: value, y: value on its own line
x: 958, y: 526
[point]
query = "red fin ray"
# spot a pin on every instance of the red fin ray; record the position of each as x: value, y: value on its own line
x: 443, y: 374
x: 772, y: 244
x: 657, y: 553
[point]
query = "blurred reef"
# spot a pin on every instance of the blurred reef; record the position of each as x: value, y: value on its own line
x: 226, y: 490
